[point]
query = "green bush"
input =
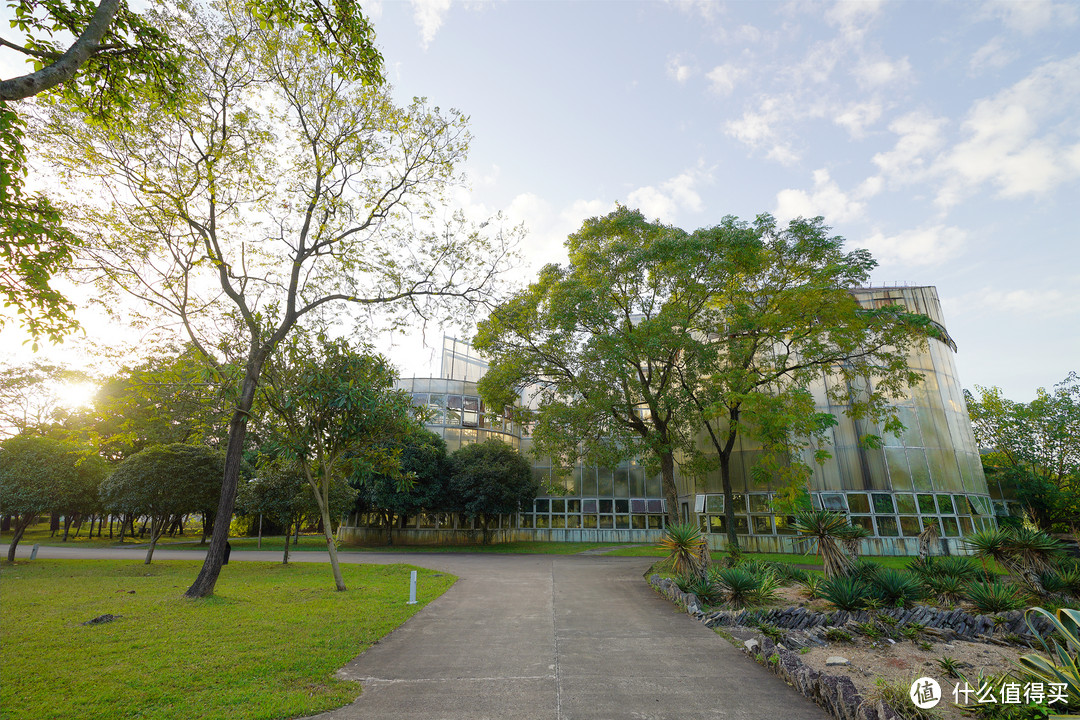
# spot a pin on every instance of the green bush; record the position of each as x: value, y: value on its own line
x: 948, y: 589
x: 864, y: 569
x: 995, y: 597
x: 847, y: 593
x: 741, y: 587
x: 960, y: 567
x: 896, y: 587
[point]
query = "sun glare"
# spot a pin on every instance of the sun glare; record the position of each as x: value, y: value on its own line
x: 77, y: 395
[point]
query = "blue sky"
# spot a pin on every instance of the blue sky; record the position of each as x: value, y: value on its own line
x: 944, y: 137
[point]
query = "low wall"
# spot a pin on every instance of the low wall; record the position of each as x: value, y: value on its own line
x: 429, y: 536
x: 870, y: 547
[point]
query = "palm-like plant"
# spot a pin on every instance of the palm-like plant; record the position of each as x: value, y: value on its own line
x: 851, y: 536
x: 827, y: 528
x: 1063, y: 666
x: 687, y: 549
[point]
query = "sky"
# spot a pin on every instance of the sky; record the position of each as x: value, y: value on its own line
x: 944, y: 137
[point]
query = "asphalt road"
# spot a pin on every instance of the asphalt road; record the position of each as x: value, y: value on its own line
x: 563, y: 637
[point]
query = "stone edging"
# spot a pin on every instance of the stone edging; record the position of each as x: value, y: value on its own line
x: 836, y: 694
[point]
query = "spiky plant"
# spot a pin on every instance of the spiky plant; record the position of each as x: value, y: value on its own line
x: 812, y: 585
x: 864, y: 569
x: 995, y: 597
x: 948, y: 589
x: 1063, y: 665
x: 1033, y: 551
x: 990, y: 544
x: 927, y: 537
x: 852, y: 536
x: 960, y: 567
x: 826, y: 528
x: 846, y: 593
x: 687, y: 550
x: 897, y: 588
x: 740, y: 587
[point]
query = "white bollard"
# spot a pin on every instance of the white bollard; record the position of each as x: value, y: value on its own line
x: 33, y: 553
x: 412, y: 588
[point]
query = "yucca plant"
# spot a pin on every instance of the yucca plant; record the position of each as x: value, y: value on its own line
x: 960, y: 567
x: 846, y: 593
x: 705, y: 589
x: 1033, y: 551
x: 687, y: 550
x: 1063, y: 665
x: 852, y: 536
x: 826, y: 527
x: 896, y: 587
x: 812, y: 585
x: 923, y: 566
x: 864, y: 569
x: 995, y: 597
x: 990, y: 544
x: 949, y: 589
x: 738, y: 585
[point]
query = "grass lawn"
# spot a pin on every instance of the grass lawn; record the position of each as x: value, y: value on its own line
x: 265, y: 646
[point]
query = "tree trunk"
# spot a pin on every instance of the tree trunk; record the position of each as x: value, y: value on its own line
x: 285, y: 558
x: 671, y: 494
x: 110, y: 527
x: 21, y: 523
x: 296, y: 538
x: 322, y: 499
x: 729, y: 505
x: 54, y: 523
x: 208, y: 575
x: 68, y: 519
x: 157, y: 529
x: 260, y: 531
x: 5, y: 524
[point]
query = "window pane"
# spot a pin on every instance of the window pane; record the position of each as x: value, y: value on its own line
x: 833, y: 502
x: 945, y: 505
x: 762, y: 525
x: 588, y: 506
x: 714, y: 503
x: 887, y: 527
x: 716, y: 523
x: 883, y: 504
x: 926, y: 505
x: 784, y: 525
x: 605, y: 505
x: 656, y: 506
x: 759, y: 503
x: 621, y: 505
x: 909, y: 525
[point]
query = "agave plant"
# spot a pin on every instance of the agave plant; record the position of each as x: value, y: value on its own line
x: 740, y: 586
x: 949, y: 589
x: 991, y: 544
x: 995, y: 597
x: 687, y: 549
x: 1063, y: 665
x: 897, y: 588
x: 956, y: 566
x: 812, y: 585
x: 851, y: 536
x: 1033, y: 551
x: 826, y: 527
x: 846, y: 593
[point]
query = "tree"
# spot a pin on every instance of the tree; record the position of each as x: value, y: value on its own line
x: 164, y: 482
x: 491, y: 478
x: 30, y: 395
x: 119, y: 61
x: 170, y: 398
x: 279, y: 189
x: 38, y: 475
x: 785, y: 319
x: 1036, y: 447
x: 425, y: 465
x: 335, y: 410
x: 599, y: 342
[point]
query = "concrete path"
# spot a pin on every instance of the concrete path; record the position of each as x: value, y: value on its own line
x: 548, y: 637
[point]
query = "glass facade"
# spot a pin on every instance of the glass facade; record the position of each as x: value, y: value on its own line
x: 928, y: 474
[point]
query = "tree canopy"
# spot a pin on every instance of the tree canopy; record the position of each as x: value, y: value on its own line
x: 164, y: 482
x: 491, y: 478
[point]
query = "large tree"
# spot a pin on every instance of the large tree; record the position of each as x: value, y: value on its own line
x: 490, y: 479
x: 425, y: 467
x: 119, y: 60
x: 786, y: 321
x: 164, y: 483
x: 334, y: 410
x: 40, y: 475
x: 278, y: 189
x: 597, y: 344
x: 1036, y: 447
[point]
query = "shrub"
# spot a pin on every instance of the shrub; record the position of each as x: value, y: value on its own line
x: 948, y: 588
x: 846, y: 593
x: 835, y: 634
x: 739, y: 586
x: 869, y: 629
x: 895, y: 695
x: 896, y: 587
x: 826, y: 528
x: 772, y: 632
x: 688, y: 551
x: 995, y: 597
x: 707, y: 591
x: 864, y: 569
x: 960, y: 567
x: 812, y: 585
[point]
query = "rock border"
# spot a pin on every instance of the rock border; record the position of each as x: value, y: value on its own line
x: 836, y: 694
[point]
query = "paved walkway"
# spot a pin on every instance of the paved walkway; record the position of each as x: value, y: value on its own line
x: 551, y: 637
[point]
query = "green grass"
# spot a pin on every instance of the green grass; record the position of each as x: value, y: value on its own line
x: 265, y: 645
x: 643, y: 551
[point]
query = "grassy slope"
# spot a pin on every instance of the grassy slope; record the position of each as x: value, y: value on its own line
x: 265, y: 646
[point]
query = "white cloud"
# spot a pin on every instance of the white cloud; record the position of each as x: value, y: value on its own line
x: 853, y: 17
x: 679, y: 71
x: 723, y: 78
x: 666, y: 201
x: 1043, y: 301
x: 920, y: 134
x: 872, y: 74
x: 1028, y: 17
x: 991, y: 56
x: 1023, y: 140
x: 856, y: 117
x: 922, y: 246
x: 428, y: 15
x: 826, y: 199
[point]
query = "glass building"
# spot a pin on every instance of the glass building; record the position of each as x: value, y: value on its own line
x: 930, y: 474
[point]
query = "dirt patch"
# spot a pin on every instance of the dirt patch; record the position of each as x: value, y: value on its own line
x: 903, y: 661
